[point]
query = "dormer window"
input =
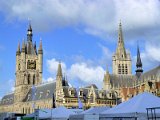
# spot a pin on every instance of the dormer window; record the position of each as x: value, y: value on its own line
x: 80, y: 93
x: 28, y: 97
x: 40, y: 94
x: 71, y: 92
x: 48, y: 91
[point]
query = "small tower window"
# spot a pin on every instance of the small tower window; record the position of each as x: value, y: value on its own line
x: 28, y: 78
x: 33, y: 79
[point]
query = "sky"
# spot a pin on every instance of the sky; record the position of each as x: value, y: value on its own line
x: 82, y: 34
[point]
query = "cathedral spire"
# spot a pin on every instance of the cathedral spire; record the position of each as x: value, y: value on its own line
x: 139, y: 70
x: 120, y: 47
x: 59, y: 72
x: 29, y: 33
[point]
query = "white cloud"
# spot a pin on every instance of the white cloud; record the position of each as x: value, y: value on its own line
x: 85, y: 73
x: 50, y: 79
x: 97, y: 17
x: 52, y: 66
x: 79, y: 71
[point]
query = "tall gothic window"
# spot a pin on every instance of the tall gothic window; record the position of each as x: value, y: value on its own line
x: 122, y: 69
x: 33, y: 79
x: 119, y: 69
x: 28, y: 78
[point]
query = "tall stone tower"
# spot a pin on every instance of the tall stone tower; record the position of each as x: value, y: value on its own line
x: 121, y: 60
x: 28, y: 67
x: 59, y: 94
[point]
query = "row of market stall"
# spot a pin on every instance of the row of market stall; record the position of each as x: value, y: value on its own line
x: 133, y: 109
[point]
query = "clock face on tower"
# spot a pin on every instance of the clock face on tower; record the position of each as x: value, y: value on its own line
x: 31, y: 65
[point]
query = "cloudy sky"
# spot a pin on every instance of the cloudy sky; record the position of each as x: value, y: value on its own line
x: 82, y: 34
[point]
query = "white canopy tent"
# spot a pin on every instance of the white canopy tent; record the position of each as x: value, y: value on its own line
x: 133, y: 108
x: 60, y: 113
x: 90, y: 114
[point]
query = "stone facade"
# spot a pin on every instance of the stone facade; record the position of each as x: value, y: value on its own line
x: 30, y: 93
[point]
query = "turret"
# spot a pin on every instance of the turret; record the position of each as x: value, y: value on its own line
x: 139, y: 70
x: 18, y: 50
x: 59, y: 85
x: 106, y: 80
x: 35, y: 48
x: 23, y: 47
x: 40, y: 57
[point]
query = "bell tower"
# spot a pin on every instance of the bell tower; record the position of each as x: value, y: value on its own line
x: 28, y: 66
x: 121, y: 60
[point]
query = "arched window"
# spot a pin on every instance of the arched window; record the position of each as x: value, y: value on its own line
x: 28, y: 78
x: 28, y: 62
x: 33, y: 79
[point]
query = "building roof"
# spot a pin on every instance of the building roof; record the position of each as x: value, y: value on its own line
x: 121, y: 80
x: 153, y: 72
x: 7, y: 99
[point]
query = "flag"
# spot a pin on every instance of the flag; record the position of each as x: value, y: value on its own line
x: 80, y: 104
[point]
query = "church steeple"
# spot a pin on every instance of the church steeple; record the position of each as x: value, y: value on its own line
x: 121, y: 59
x: 29, y: 33
x: 139, y: 70
x: 120, y: 51
x: 59, y: 72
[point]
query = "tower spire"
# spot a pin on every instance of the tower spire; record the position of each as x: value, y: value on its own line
x: 139, y: 70
x: 120, y: 48
x: 29, y: 33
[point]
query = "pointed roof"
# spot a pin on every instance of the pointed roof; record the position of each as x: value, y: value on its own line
x: 35, y: 47
x: 59, y: 71
x: 29, y: 33
x: 18, y: 48
x: 40, y: 50
x: 30, y: 27
x: 23, y: 46
x: 40, y: 45
x: 138, y: 63
x: 120, y: 48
